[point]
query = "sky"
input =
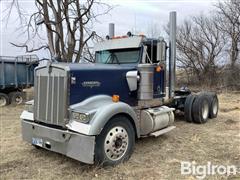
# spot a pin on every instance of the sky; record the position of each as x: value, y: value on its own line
x: 138, y: 16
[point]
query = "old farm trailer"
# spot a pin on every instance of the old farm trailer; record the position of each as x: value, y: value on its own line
x: 16, y: 74
x: 95, y: 112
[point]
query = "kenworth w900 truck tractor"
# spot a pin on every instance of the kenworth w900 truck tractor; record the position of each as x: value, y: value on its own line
x: 94, y: 112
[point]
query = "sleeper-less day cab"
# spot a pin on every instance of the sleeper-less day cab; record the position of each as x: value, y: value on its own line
x: 94, y: 112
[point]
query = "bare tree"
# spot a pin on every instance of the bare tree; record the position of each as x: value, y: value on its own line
x: 199, y: 43
x: 68, y: 26
x: 228, y: 21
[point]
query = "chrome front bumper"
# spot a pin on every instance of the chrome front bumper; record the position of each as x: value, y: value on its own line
x: 71, y: 144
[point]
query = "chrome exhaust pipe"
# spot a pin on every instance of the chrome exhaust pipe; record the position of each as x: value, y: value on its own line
x: 172, y: 53
x: 111, y: 30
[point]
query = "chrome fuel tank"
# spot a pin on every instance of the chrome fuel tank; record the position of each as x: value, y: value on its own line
x: 154, y: 119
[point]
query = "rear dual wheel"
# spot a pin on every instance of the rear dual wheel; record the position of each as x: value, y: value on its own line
x: 188, y: 107
x: 198, y: 108
x: 213, y: 104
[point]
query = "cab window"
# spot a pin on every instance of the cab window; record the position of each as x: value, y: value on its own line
x: 118, y: 56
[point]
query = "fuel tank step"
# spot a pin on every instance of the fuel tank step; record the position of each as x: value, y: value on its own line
x: 162, y: 131
x: 155, y: 119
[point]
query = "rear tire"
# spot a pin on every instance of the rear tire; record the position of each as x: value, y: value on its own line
x: 200, y: 109
x: 213, y: 104
x: 16, y: 97
x: 188, y: 107
x: 116, y: 142
x: 4, y: 100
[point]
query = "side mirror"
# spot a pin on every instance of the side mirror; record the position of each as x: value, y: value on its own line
x: 161, y: 51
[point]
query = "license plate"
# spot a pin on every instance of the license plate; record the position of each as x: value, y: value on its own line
x: 37, y: 141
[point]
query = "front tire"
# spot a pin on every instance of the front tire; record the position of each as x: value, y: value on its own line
x: 116, y: 142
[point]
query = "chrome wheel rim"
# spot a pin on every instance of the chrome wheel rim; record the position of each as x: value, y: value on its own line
x: 3, y: 101
x: 215, y: 107
x: 205, y: 110
x: 116, y: 143
x: 18, y: 99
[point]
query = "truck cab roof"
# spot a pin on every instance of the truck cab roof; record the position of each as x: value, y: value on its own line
x: 120, y: 43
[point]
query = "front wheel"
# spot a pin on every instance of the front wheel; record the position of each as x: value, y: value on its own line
x: 116, y: 142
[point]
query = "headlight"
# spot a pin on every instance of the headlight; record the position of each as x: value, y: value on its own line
x: 81, y: 117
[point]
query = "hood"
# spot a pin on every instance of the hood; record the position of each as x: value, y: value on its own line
x: 88, y: 80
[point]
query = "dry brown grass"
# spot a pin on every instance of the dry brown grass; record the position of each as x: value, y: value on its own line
x: 217, y: 141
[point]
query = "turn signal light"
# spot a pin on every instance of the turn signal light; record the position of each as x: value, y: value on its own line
x: 158, y: 68
x: 115, y: 98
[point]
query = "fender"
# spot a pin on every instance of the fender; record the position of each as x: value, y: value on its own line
x: 103, y: 109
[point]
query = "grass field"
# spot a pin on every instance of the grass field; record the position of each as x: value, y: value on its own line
x: 217, y: 141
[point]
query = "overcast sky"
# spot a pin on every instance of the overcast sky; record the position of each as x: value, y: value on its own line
x: 140, y: 16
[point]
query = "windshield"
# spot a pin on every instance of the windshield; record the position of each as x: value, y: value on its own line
x: 118, y: 56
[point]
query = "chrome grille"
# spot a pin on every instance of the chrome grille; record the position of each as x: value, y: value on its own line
x: 50, y: 99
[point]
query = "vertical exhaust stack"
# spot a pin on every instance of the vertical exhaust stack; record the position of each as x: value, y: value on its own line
x: 111, y: 30
x: 172, y: 53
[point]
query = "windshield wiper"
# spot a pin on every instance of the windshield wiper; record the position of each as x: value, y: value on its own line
x: 109, y: 58
x: 112, y: 56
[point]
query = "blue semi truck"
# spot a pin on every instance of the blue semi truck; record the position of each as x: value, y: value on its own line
x: 16, y: 74
x: 94, y: 112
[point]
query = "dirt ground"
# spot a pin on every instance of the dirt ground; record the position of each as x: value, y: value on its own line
x: 217, y: 141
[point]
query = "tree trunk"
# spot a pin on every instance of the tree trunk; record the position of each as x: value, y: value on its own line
x: 48, y: 28
x: 234, y: 52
